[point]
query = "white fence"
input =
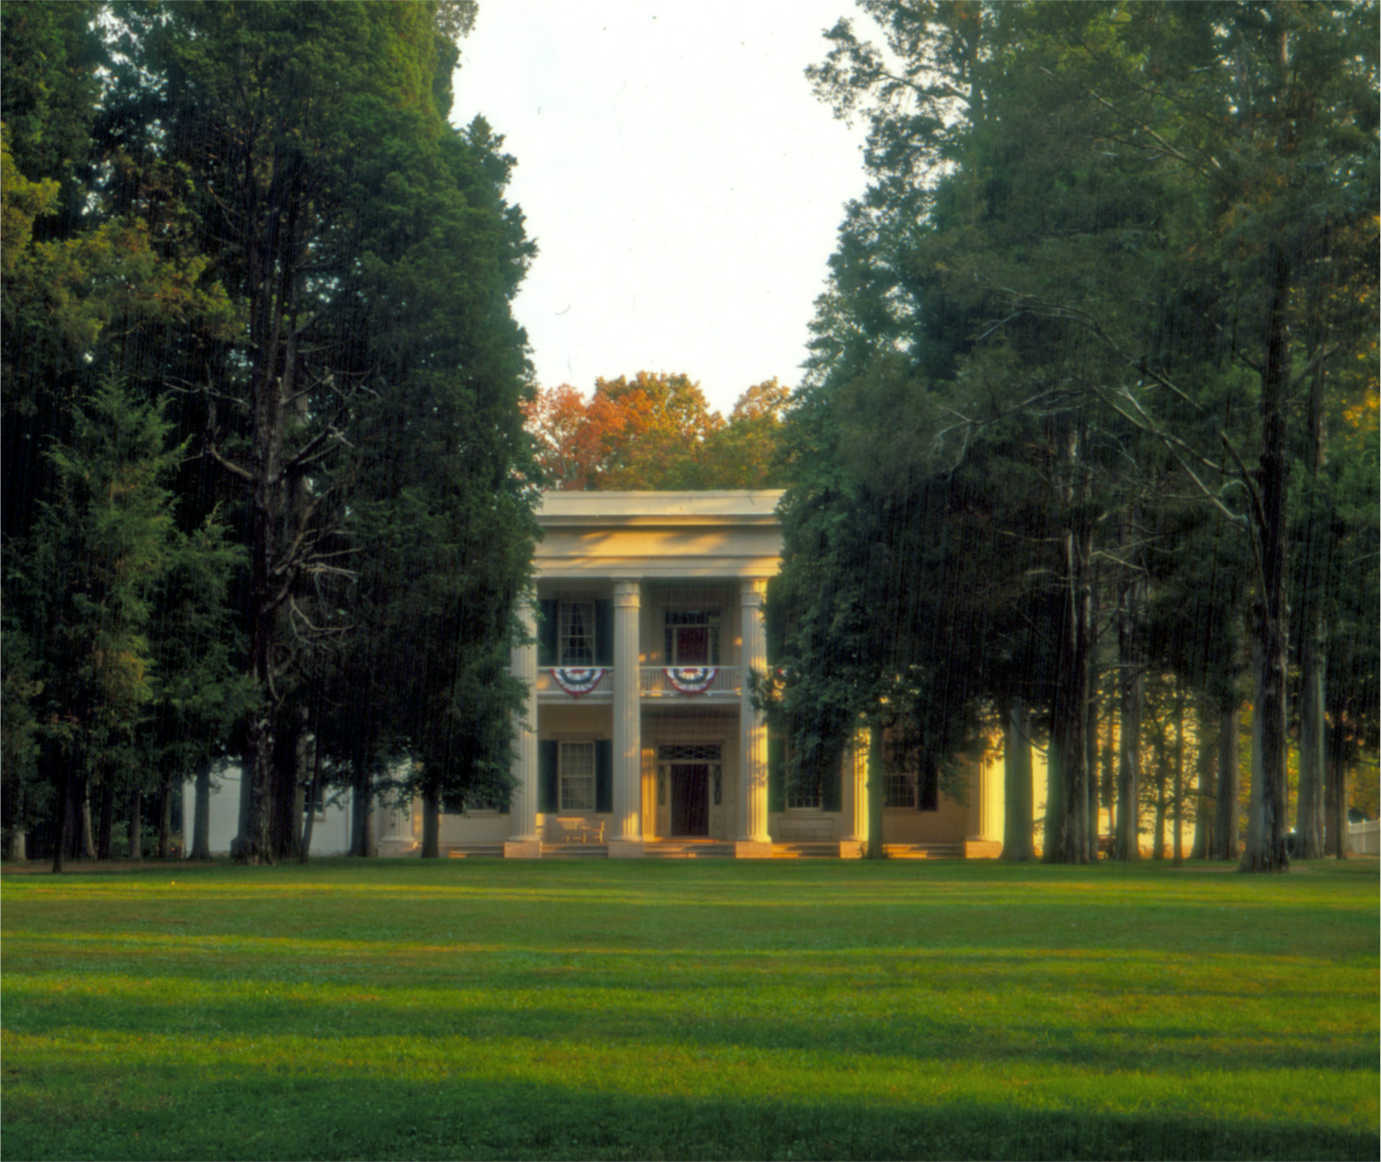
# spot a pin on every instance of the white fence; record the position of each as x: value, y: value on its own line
x: 689, y: 681
x: 1364, y: 838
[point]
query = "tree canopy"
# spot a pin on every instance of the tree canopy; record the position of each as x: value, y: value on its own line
x: 258, y: 224
x: 1086, y: 314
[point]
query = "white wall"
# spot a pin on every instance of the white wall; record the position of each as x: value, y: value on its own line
x: 330, y: 831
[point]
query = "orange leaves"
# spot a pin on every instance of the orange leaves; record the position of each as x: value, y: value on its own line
x: 655, y: 431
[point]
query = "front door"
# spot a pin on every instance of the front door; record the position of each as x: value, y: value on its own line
x: 690, y: 799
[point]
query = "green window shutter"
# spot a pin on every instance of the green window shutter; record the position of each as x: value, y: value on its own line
x: 604, y: 775
x: 547, y: 628
x: 604, y: 632
x: 547, y: 775
x: 829, y: 789
x: 776, y: 771
x: 927, y: 784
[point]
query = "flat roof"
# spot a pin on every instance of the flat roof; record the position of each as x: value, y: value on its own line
x: 729, y: 506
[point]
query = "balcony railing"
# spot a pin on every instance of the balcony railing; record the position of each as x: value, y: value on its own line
x: 596, y: 683
x: 593, y: 682
x: 690, y: 681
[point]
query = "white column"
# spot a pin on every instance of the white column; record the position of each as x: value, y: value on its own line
x: 753, y: 839
x: 525, y: 842
x: 627, y: 836
x: 987, y: 795
x: 855, y: 778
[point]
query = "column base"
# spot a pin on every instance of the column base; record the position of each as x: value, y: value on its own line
x: 982, y: 848
x: 752, y: 849
x: 853, y: 848
x: 522, y: 848
x: 626, y: 848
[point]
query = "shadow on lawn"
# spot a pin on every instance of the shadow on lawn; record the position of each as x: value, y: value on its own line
x: 237, y: 1115
x: 708, y: 1022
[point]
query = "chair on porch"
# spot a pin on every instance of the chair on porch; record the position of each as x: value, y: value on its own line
x: 583, y: 831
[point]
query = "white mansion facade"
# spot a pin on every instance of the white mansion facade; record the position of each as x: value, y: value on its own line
x: 639, y: 736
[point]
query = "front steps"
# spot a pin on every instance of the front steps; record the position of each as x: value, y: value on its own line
x: 575, y: 851
x: 689, y: 849
x: 715, y: 849
x: 923, y: 850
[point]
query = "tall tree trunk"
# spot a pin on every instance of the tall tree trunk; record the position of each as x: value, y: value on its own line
x: 1266, y: 822
x: 1132, y: 680
x: 201, y: 813
x: 431, y: 823
x: 52, y: 755
x: 1178, y: 803
x: 1158, y: 834
x: 88, y: 837
x: 1205, y: 806
x: 1017, y: 810
x: 165, y: 816
x: 1091, y: 766
x: 1108, y: 794
x: 362, y: 813
x: 1226, y: 828
x: 105, y: 824
x: 313, y: 796
x: 1337, y: 788
x: 1066, y: 812
x: 136, y: 826
x: 877, y: 792
x: 286, y: 832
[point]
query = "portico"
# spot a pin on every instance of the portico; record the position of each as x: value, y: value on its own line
x: 639, y: 735
x: 646, y: 624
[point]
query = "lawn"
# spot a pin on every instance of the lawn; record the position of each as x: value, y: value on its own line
x: 597, y: 1009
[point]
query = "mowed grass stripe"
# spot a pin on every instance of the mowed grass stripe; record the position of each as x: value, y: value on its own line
x: 818, y: 1010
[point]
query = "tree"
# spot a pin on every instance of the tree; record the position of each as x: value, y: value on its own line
x: 1164, y: 281
x: 656, y: 431
x: 88, y: 573
x: 441, y: 518
x: 315, y: 150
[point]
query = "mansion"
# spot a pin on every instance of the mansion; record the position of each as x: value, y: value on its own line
x: 639, y: 736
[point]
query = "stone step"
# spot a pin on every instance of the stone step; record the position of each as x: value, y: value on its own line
x: 805, y: 851
x: 575, y: 851
x: 923, y: 850
x: 688, y: 849
x: 474, y: 850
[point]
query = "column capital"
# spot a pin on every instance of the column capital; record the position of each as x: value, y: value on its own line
x: 752, y: 591
x: 628, y: 593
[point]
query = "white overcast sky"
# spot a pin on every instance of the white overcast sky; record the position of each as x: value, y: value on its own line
x: 682, y: 183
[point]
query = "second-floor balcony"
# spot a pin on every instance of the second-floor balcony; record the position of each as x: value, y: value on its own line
x: 598, y: 683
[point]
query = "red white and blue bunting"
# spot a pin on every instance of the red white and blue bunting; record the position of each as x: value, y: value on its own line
x: 691, y: 679
x: 578, y: 680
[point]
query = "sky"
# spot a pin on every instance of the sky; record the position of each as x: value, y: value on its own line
x: 683, y: 184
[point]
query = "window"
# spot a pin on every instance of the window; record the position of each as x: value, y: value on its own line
x: 576, y: 636
x: 577, y: 776
x: 692, y: 637
x: 802, y: 787
x: 901, y: 791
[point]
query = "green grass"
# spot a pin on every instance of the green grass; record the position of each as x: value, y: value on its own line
x: 690, y: 1010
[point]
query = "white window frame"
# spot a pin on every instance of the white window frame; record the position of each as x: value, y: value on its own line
x: 706, y: 619
x: 575, y: 648
x: 898, y: 781
x: 576, y: 777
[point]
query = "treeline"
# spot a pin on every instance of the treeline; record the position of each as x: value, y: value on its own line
x: 267, y: 492
x: 1091, y: 411
x: 657, y: 431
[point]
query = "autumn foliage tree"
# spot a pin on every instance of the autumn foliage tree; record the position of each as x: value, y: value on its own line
x: 656, y: 431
